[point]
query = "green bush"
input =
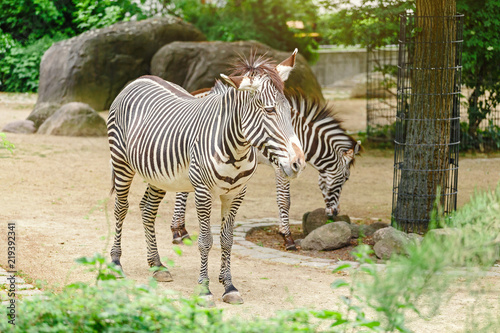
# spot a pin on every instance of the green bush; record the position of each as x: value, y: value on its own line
x: 261, y: 20
x: 121, y: 305
x: 90, y: 14
x: 20, y: 66
x: 485, y: 139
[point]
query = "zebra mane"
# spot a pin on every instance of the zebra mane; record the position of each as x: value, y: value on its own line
x: 314, y: 110
x: 258, y: 65
x: 219, y: 87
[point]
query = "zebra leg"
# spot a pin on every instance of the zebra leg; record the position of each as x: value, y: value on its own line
x: 230, y: 205
x: 203, y: 202
x: 178, y: 225
x: 122, y: 179
x: 144, y: 199
x: 283, y: 199
x: 149, y: 207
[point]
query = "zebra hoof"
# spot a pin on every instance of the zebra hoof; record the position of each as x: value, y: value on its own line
x: 179, y: 236
x: 206, y: 301
x: 118, y: 273
x: 163, y: 276
x: 177, y: 240
x: 232, y: 297
x: 289, y: 243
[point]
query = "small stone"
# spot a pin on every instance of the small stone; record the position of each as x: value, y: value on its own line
x: 370, y: 229
x: 355, y: 228
x: 317, y: 218
x: 74, y: 119
x: 379, y: 234
x: 328, y: 237
x: 389, y: 241
x: 20, y: 126
x: 443, y: 233
x: 416, y: 238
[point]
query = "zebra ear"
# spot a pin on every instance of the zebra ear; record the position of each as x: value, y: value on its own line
x: 349, y: 153
x: 241, y: 82
x: 286, y: 66
x: 356, y: 148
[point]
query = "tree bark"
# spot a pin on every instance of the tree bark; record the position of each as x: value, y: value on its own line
x: 426, y: 118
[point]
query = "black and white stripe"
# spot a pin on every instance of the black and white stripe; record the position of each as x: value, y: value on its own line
x: 179, y: 143
x: 327, y: 148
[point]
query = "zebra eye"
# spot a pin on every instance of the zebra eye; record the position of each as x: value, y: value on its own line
x: 270, y: 110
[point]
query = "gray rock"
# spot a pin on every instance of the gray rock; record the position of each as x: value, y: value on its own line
x: 389, y: 241
x: 328, y: 237
x: 41, y: 112
x: 442, y: 234
x: 355, y: 228
x: 317, y: 218
x: 74, y: 119
x: 370, y: 229
x: 313, y: 220
x: 415, y: 238
x: 196, y: 65
x: 94, y: 66
x: 20, y: 126
x: 379, y: 234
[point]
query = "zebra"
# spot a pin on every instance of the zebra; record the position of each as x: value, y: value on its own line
x: 177, y: 142
x: 327, y: 148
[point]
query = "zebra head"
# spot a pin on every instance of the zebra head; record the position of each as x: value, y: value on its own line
x: 266, y: 117
x: 331, y: 180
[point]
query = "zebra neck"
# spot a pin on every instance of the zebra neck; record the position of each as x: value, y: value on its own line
x: 320, y: 139
x: 231, y: 141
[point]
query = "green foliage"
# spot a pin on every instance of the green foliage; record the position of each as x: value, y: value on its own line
x: 261, y: 20
x: 91, y: 14
x: 24, y: 19
x: 5, y: 144
x: 105, y: 270
x: 483, y: 140
x: 419, y: 282
x: 481, y: 53
x: 121, y: 305
x: 20, y: 66
x: 374, y: 23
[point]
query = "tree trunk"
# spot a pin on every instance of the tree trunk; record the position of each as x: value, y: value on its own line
x: 431, y: 74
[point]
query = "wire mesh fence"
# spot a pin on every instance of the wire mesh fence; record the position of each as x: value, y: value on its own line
x: 427, y: 133
x: 480, y: 128
x: 381, y: 69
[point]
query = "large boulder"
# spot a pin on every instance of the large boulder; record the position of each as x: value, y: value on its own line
x: 42, y: 111
x: 94, y: 66
x: 74, y: 119
x: 318, y: 218
x: 328, y: 237
x: 196, y: 65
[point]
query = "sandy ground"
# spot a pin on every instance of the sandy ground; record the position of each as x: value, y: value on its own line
x: 56, y: 188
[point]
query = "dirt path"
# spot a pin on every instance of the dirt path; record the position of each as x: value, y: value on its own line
x: 56, y: 188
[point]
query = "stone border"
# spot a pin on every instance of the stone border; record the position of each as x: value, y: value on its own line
x: 247, y: 248
x: 240, y: 246
x: 23, y: 289
x: 243, y: 247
